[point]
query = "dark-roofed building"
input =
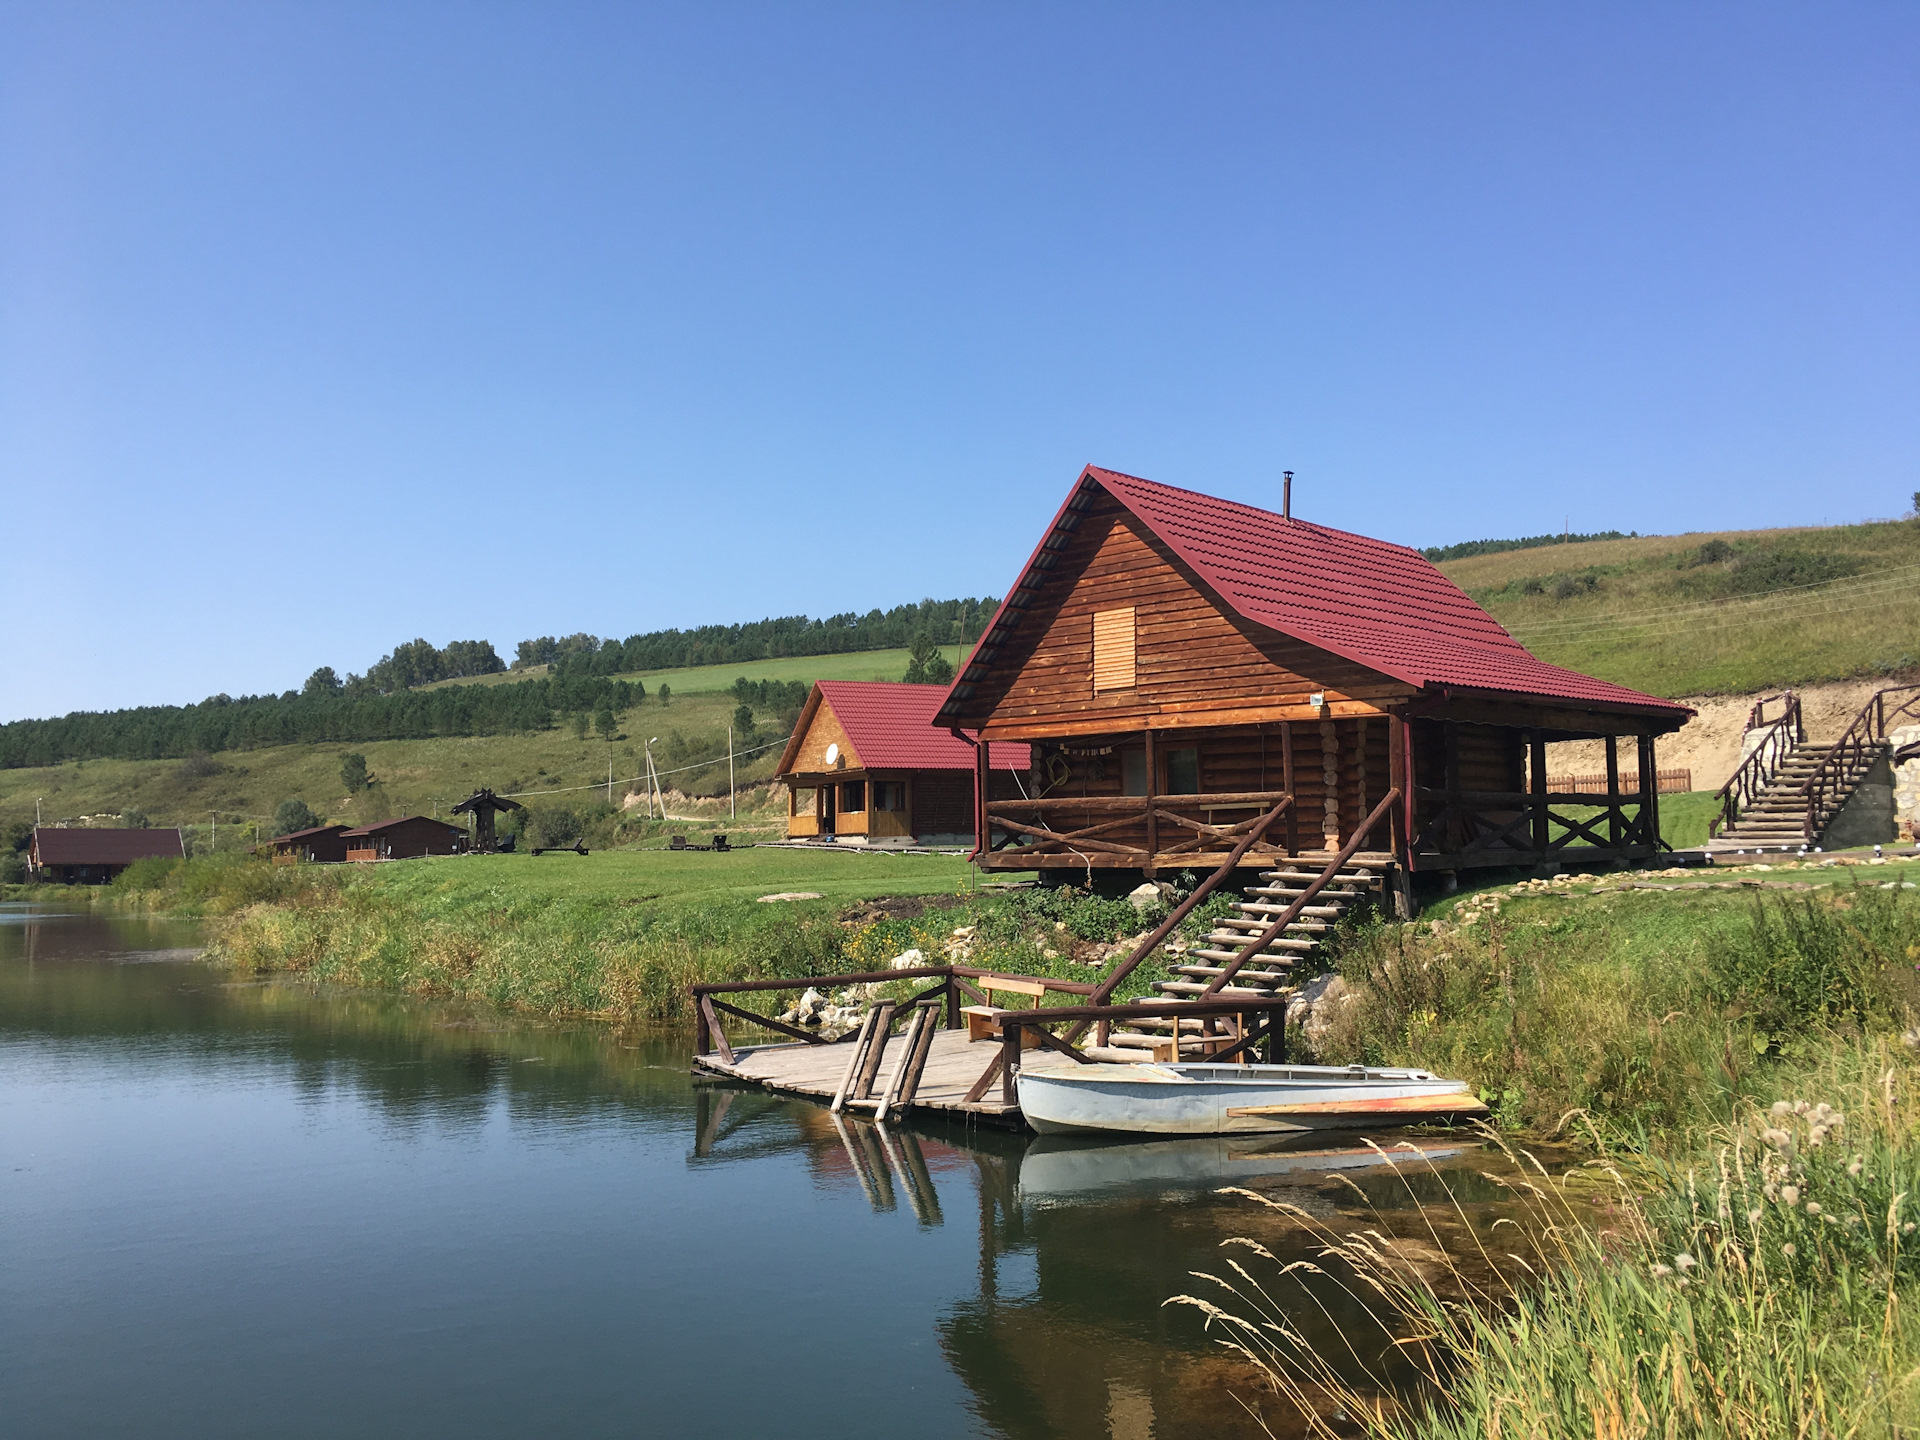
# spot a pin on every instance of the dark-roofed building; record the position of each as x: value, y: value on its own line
x: 1180, y: 664
x: 321, y: 844
x: 406, y: 838
x: 865, y: 766
x: 83, y: 856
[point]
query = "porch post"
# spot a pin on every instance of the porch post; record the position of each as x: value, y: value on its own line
x: 1456, y: 826
x: 1399, y: 838
x: 1649, y: 794
x: 982, y: 837
x: 1613, y: 793
x: 1537, y: 785
x: 1286, y: 783
x: 1153, y: 822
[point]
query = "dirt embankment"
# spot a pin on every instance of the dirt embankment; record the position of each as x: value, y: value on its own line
x: 1709, y: 744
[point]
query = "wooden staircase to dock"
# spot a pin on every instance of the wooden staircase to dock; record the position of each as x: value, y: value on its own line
x: 1269, y: 975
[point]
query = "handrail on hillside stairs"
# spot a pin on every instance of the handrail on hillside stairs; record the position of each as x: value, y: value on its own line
x: 1755, y: 773
x: 1827, y: 788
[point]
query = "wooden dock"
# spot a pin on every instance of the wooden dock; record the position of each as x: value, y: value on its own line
x: 953, y: 1064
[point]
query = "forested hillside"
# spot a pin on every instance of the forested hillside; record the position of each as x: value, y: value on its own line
x: 387, y: 704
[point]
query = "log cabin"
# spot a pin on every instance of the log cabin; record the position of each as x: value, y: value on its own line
x: 864, y: 766
x: 317, y: 845
x: 88, y: 856
x: 1179, y: 664
x: 406, y: 838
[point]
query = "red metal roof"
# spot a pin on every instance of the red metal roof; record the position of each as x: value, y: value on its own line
x: 55, y: 845
x: 892, y: 728
x: 1380, y: 605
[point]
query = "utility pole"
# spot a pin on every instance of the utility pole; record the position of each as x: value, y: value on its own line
x: 213, y: 831
x: 653, y: 783
x: 731, y: 812
x: 609, y: 782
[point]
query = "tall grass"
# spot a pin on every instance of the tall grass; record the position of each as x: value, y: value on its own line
x: 1762, y: 1291
x: 1648, y: 1012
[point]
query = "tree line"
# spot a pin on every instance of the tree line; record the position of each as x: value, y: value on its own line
x: 941, y: 622
x: 1465, y: 548
x: 311, y: 716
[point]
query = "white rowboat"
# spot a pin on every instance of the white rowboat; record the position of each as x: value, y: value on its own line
x: 1225, y: 1099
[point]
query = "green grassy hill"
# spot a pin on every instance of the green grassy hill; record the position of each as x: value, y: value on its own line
x: 866, y: 665
x: 424, y: 777
x: 1732, y: 612
x: 1723, y: 613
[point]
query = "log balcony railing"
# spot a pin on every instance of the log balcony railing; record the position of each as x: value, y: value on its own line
x: 1129, y: 829
x: 1509, y: 827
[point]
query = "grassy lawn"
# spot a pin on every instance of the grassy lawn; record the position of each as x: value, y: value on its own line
x: 678, y: 880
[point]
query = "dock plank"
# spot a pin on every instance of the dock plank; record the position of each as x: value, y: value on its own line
x: 815, y: 1072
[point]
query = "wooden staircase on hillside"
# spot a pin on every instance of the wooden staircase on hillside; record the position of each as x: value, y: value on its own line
x: 1270, y: 976
x: 1788, y: 790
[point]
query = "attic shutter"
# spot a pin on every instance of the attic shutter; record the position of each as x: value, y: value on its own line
x: 1113, y: 650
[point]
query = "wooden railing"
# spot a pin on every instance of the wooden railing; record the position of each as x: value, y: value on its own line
x: 1495, y: 821
x: 1260, y: 1020
x: 1038, y: 825
x: 1763, y: 761
x: 1832, y: 781
x: 952, y: 984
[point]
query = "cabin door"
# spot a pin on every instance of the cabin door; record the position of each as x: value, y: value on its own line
x: 828, y: 794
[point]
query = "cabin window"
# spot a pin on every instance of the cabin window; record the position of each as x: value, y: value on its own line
x: 1133, y: 772
x: 853, y: 797
x: 890, y: 795
x: 1113, y: 650
x: 1183, y: 772
x: 803, y: 801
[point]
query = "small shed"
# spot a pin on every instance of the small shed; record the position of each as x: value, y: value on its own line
x: 406, y: 838
x: 92, y: 857
x: 321, y: 844
x: 865, y: 766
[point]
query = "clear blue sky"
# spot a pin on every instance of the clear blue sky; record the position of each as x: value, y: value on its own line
x: 326, y: 326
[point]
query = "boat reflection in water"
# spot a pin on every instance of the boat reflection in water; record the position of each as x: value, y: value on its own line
x: 1081, y: 1240
x: 1060, y: 1167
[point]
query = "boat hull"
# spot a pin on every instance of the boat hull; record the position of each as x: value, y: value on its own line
x: 1235, y: 1099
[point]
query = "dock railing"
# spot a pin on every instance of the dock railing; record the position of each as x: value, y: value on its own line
x: 1233, y: 1026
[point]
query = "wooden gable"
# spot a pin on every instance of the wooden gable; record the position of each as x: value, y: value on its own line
x: 1193, y: 661
x: 823, y: 728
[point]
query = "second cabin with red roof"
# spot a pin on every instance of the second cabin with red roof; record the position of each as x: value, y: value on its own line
x: 1180, y: 665
x: 865, y: 766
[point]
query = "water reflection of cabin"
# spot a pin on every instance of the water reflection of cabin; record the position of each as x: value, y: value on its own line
x: 865, y: 766
x: 1180, y: 664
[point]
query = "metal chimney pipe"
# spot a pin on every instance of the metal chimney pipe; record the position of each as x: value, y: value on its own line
x: 1286, y: 495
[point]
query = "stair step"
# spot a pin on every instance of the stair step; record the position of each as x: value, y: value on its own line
x: 1363, y: 880
x: 1191, y: 989
x: 1275, y: 977
x: 1214, y: 952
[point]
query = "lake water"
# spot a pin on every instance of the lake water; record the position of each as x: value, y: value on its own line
x: 242, y: 1208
